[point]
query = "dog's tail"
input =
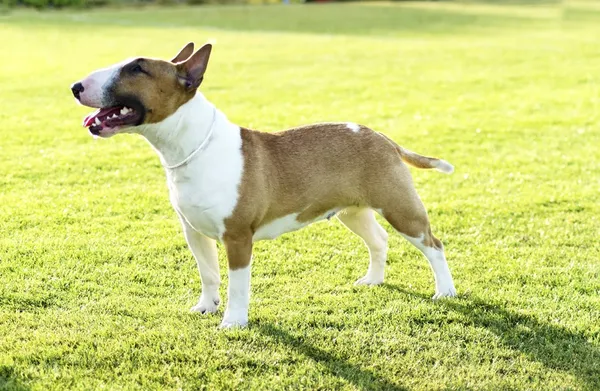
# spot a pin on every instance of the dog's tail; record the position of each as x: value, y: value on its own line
x: 420, y: 161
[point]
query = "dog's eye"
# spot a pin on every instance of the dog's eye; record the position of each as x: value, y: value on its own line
x: 136, y: 68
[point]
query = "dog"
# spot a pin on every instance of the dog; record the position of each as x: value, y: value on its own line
x: 237, y: 186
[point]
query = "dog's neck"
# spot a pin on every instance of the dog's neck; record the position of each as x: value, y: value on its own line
x: 180, y: 134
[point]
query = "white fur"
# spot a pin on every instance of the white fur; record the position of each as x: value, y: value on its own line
x: 277, y: 227
x: 95, y: 83
x: 238, y: 292
x: 285, y: 224
x: 444, y: 285
x: 205, y: 252
x: 362, y: 222
x: 353, y: 127
x: 443, y: 166
x: 204, y: 191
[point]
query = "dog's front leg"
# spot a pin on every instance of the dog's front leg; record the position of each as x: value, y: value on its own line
x: 205, y: 252
x: 239, y: 255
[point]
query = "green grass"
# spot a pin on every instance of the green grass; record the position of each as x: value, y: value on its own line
x: 95, y: 277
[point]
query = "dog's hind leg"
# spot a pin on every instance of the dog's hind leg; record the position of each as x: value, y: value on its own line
x: 433, y: 249
x: 414, y: 226
x: 362, y: 222
x: 406, y: 213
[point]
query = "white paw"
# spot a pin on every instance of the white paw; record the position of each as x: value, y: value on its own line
x: 370, y: 279
x: 234, y: 318
x: 444, y: 292
x: 225, y: 324
x: 207, y: 304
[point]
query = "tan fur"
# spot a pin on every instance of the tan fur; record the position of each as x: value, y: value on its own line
x: 164, y: 86
x: 308, y: 170
x: 238, y: 245
x: 316, y: 168
x: 414, y: 159
x: 287, y: 180
x: 158, y: 89
x: 184, y: 53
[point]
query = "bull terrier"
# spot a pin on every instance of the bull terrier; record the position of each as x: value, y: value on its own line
x: 237, y: 186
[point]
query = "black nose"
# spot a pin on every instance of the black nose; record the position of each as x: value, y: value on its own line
x: 77, y: 89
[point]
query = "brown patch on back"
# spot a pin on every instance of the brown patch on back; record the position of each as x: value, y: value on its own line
x: 313, y: 169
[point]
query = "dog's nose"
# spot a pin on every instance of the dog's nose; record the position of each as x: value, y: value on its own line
x: 77, y: 89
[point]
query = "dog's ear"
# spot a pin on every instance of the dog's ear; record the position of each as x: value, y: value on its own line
x: 184, y: 53
x: 192, y: 70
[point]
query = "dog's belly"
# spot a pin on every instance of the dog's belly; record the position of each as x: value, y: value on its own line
x: 285, y: 224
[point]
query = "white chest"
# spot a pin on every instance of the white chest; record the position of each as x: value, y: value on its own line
x: 205, y: 192
x: 204, y: 189
x: 199, y: 208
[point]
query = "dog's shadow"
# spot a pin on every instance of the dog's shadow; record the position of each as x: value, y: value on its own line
x: 553, y: 346
x: 363, y: 379
x: 10, y: 380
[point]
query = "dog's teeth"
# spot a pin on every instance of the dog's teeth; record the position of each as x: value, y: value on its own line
x: 124, y: 111
x: 114, y: 116
x: 97, y: 121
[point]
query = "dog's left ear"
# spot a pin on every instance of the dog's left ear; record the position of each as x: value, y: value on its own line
x: 184, y: 53
x: 192, y: 70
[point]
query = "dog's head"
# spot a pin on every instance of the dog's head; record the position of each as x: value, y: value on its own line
x: 140, y: 91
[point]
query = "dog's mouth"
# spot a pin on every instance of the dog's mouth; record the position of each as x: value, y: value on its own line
x: 107, y: 121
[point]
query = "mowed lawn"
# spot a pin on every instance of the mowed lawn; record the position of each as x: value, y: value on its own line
x: 96, y: 280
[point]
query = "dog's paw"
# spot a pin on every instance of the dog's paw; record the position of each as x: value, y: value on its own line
x: 234, y: 318
x: 444, y: 292
x: 206, y: 305
x: 234, y: 324
x: 370, y: 280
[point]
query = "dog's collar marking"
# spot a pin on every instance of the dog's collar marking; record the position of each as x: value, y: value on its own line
x: 202, y: 145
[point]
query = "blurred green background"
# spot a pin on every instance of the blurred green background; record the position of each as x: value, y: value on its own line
x: 96, y: 279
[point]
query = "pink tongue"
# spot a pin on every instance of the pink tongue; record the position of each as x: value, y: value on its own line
x: 91, y: 118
